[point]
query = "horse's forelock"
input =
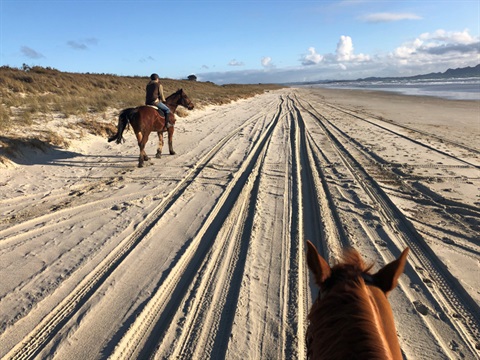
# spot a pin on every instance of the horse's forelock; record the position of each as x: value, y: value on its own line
x: 351, y: 257
x: 347, y: 310
x: 350, y: 268
x: 346, y: 304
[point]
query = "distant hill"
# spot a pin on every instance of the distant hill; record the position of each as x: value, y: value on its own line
x: 450, y: 73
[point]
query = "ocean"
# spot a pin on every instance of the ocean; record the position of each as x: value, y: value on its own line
x: 450, y: 88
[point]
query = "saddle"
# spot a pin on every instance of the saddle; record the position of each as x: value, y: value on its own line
x: 160, y: 111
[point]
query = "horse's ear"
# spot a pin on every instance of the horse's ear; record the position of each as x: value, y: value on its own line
x: 317, y: 264
x: 387, y: 277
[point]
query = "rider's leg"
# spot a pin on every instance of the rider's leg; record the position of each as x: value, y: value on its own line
x: 166, y: 111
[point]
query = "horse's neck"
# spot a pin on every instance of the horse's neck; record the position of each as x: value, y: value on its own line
x: 172, y: 107
x: 360, y: 331
x: 172, y: 102
x: 384, y: 314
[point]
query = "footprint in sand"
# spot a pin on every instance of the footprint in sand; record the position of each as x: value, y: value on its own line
x: 121, y: 207
x: 448, y: 241
x: 421, y: 308
x: 428, y: 282
x: 416, y: 287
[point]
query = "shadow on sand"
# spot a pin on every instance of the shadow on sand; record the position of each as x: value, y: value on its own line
x: 30, y: 151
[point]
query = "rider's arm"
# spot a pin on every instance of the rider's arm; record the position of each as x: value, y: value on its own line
x: 162, y: 96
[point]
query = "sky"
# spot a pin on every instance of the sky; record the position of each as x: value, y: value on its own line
x: 227, y: 41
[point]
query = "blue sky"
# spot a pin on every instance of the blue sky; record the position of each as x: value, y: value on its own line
x: 240, y: 41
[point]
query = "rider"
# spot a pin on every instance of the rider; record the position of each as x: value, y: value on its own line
x: 154, y: 96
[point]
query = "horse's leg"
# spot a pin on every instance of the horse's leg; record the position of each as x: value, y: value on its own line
x: 142, y: 141
x: 160, y: 145
x: 170, y: 140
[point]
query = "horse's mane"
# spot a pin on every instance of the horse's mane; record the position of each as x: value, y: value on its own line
x: 342, y: 320
x: 179, y: 91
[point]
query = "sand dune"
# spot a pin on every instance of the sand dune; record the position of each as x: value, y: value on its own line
x: 202, y: 254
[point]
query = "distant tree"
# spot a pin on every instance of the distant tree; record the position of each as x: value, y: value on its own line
x: 192, y: 78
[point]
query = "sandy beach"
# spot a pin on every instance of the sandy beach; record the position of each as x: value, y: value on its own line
x: 201, y: 255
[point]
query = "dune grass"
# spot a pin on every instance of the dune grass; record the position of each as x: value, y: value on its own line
x: 84, y: 104
x: 26, y: 93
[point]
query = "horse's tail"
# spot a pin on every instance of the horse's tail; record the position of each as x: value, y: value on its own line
x: 125, y: 117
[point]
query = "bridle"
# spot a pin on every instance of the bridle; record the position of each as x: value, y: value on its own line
x: 189, y: 103
x: 185, y: 101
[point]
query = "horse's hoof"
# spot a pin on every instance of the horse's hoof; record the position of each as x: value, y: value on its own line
x: 146, y: 158
x: 172, y: 152
x: 158, y: 156
x: 140, y: 165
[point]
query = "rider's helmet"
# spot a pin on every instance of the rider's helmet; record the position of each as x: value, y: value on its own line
x: 154, y: 77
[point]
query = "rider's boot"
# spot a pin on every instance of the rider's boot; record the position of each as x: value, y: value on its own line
x: 167, y: 120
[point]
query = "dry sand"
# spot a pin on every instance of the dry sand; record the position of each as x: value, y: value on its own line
x: 202, y: 254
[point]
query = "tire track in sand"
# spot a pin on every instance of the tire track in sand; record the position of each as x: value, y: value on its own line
x: 46, y: 329
x: 362, y: 117
x: 147, y: 334
x: 463, y: 312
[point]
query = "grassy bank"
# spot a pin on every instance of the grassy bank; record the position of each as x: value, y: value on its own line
x: 32, y: 91
x: 34, y: 95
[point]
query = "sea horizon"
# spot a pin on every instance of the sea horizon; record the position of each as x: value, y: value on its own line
x: 446, y: 88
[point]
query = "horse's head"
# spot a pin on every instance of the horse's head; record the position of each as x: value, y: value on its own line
x: 352, y: 306
x: 179, y: 98
x: 353, y: 269
x: 184, y: 100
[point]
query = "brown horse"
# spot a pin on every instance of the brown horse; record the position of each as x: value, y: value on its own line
x: 352, y: 318
x: 145, y: 119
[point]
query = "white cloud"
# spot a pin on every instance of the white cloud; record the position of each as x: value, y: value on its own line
x: 407, y: 49
x: 234, y: 62
x: 389, y: 17
x: 429, y: 47
x: 267, y: 62
x: 345, y: 50
x: 450, y: 37
x: 312, y: 58
x: 429, y: 52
